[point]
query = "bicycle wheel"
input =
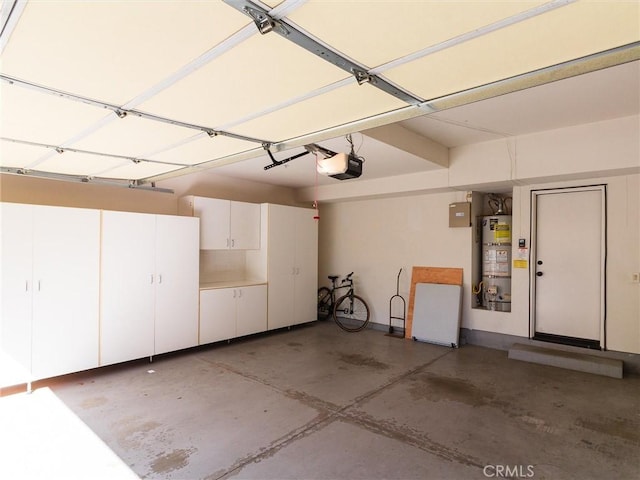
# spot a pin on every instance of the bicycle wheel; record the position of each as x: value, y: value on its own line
x: 351, y: 313
x: 324, y: 303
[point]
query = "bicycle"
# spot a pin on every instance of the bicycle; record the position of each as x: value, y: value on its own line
x: 349, y: 311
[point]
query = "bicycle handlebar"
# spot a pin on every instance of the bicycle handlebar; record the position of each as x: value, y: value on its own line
x: 347, y: 278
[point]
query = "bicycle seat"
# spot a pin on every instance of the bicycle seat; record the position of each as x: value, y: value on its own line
x: 333, y: 278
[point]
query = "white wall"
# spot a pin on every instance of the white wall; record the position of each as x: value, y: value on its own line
x: 377, y: 236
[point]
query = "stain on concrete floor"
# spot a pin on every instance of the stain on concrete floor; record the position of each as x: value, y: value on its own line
x: 618, y: 427
x: 362, y: 361
x: 437, y: 388
x: 93, y: 402
x: 174, y: 460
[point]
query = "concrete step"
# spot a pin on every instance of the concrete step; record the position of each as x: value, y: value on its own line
x: 570, y: 360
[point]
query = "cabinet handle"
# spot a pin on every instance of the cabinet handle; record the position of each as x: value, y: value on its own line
x: 26, y: 285
x: 239, y: 293
x: 151, y: 276
x: 38, y: 285
x: 160, y: 278
x: 233, y: 242
x: 228, y: 243
x: 234, y: 293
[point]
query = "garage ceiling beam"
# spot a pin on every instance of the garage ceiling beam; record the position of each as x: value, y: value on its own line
x: 404, y: 139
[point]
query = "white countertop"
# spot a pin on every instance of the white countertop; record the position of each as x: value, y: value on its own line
x: 231, y: 284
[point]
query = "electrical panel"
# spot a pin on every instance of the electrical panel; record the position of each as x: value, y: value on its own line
x: 460, y: 214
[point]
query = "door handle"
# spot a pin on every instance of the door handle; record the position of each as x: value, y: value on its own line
x: 539, y: 274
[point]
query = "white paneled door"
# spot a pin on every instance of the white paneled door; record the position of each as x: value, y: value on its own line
x: 281, y: 259
x: 217, y: 315
x: 66, y: 253
x: 306, y: 266
x: 251, y: 309
x: 128, y: 290
x: 568, y: 263
x: 17, y: 283
x: 177, y: 273
x: 244, y: 228
x: 214, y: 217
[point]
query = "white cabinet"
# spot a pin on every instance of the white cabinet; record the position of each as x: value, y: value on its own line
x: 177, y: 287
x: 149, y: 287
x: 50, y: 288
x: 224, y: 224
x: 292, y: 257
x: 217, y: 315
x: 17, y: 282
x: 251, y: 310
x: 232, y: 312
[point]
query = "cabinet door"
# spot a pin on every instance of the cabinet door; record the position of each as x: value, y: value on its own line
x: 66, y: 256
x: 16, y: 250
x: 306, y: 267
x: 251, y: 308
x: 177, y: 277
x: 214, y: 217
x: 280, y: 260
x: 217, y: 315
x: 127, y: 287
x: 245, y: 226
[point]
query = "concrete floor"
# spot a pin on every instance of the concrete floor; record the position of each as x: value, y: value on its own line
x: 319, y: 403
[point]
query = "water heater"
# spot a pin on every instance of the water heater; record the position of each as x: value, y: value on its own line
x: 496, y: 262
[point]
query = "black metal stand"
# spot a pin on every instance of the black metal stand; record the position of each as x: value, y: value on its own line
x: 404, y: 309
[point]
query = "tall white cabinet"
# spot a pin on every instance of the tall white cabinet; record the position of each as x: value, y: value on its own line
x: 149, y: 285
x: 50, y: 288
x: 292, y: 265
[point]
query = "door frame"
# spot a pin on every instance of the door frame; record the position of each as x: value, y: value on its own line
x: 603, y: 254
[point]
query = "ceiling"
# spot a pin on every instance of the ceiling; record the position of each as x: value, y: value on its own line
x: 135, y: 92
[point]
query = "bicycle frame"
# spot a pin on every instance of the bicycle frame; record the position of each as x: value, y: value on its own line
x: 334, y: 287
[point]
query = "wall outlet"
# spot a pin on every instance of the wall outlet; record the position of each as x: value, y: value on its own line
x: 635, y: 277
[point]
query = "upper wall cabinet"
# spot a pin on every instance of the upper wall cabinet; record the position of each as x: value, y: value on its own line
x: 50, y: 288
x: 224, y: 224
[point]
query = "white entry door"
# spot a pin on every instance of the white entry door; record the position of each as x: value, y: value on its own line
x: 569, y: 265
